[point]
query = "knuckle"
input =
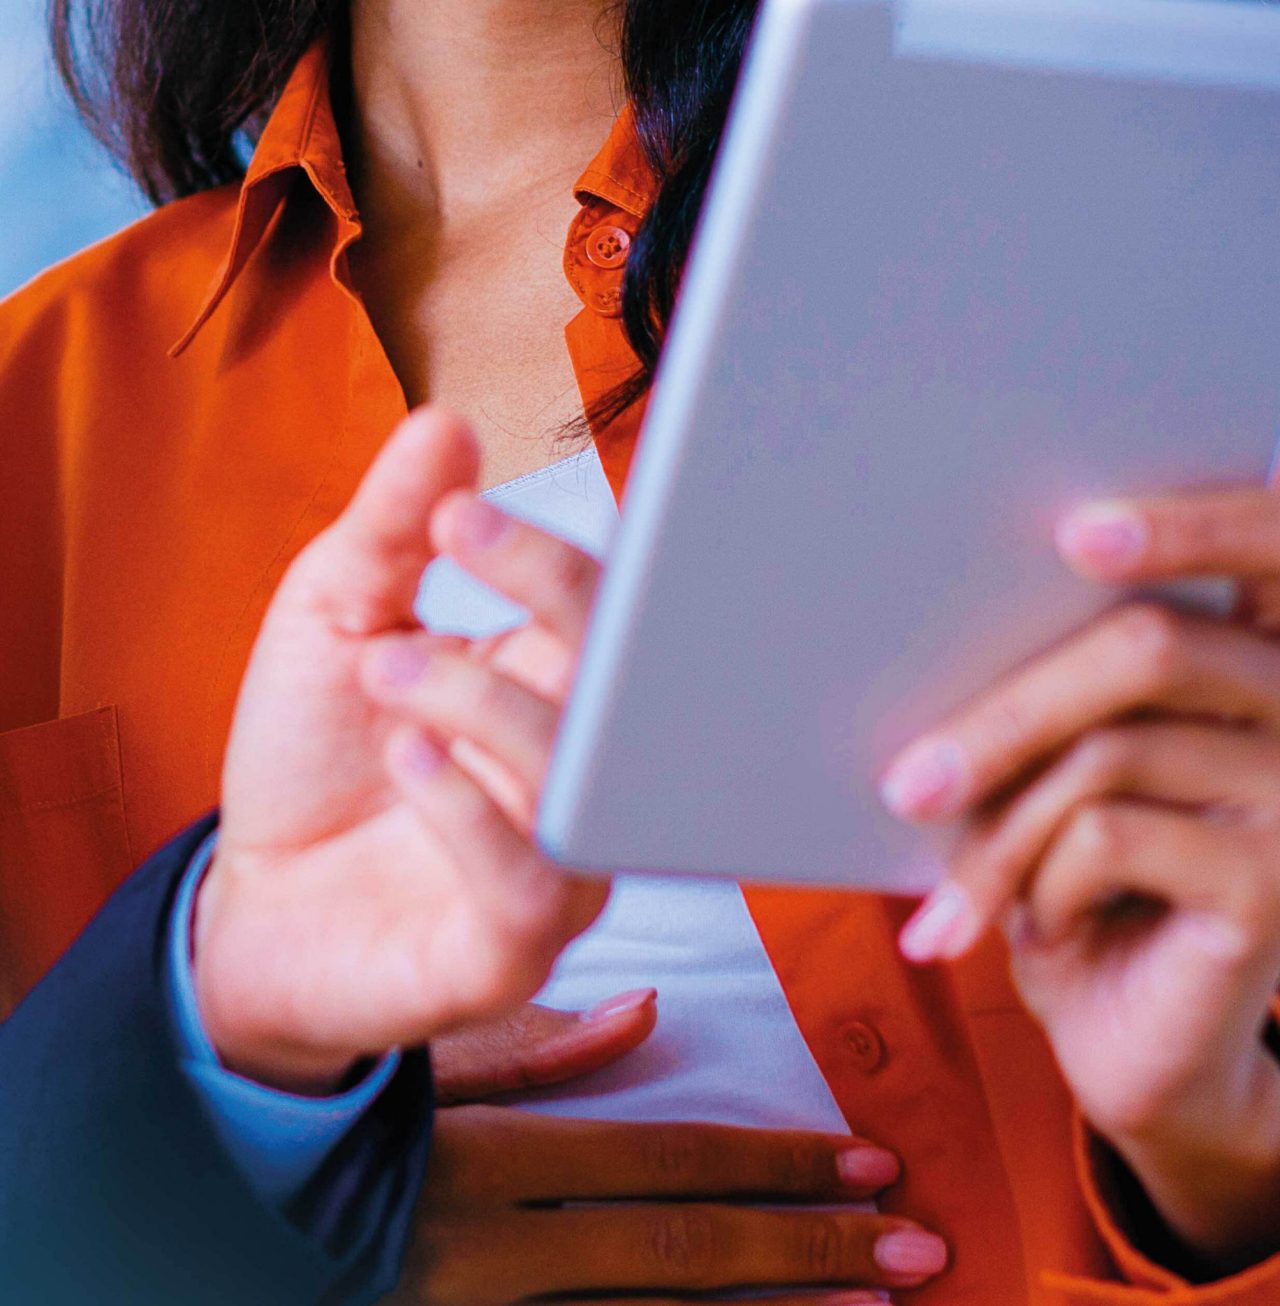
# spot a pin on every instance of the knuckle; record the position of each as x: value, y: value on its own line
x: 572, y: 571
x: 1152, y: 638
x: 1103, y: 755
x: 800, y: 1167
x: 687, y: 1244
x: 1097, y: 834
x: 823, y: 1251
x: 1010, y: 719
x: 676, y: 1153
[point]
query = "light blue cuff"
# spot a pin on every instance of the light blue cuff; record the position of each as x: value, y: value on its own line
x: 279, y: 1140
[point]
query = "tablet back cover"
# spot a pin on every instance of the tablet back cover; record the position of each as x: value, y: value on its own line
x: 964, y: 263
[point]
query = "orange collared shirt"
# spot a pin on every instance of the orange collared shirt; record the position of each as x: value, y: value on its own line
x: 182, y: 408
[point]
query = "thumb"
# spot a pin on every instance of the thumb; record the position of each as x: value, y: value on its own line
x: 538, y: 1046
x: 363, y: 573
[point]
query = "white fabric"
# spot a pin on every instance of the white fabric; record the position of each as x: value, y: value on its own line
x: 726, y: 1048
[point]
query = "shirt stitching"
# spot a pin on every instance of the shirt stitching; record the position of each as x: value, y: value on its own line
x: 532, y: 478
x: 59, y: 804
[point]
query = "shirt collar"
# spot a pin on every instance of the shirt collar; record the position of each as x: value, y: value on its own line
x: 302, y: 134
x: 620, y: 174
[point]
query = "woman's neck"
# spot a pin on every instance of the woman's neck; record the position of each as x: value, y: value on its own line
x: 461, y: 106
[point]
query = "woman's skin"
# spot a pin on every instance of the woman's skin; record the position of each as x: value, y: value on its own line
x: 479, y: 1242
x: 389, y: 892
x: 1120, y: 808
x: 473, y: 119
x: 344, y: 916
x: 1120, y: 800
x: 374, y: 887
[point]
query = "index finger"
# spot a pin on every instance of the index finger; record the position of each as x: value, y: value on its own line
x: 555, y: 580
x: 363, y: 572
x: 1137, y: 657
x: 1218, y: 532
x: 588, y: 1160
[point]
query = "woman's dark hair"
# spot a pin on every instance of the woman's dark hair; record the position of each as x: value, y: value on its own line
x: 178, y: 89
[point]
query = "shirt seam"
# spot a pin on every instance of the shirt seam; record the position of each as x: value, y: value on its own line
x: 59, y: 804
x: 607, y: 179
x: 534, y: 477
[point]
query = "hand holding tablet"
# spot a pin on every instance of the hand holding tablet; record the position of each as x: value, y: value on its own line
x: 964, y: 267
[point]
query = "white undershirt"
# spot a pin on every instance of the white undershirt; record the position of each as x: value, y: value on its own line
x: 726, y: 1048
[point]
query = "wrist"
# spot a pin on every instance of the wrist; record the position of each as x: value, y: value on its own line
x: 246, y: 1028
x: 1213, y: 1176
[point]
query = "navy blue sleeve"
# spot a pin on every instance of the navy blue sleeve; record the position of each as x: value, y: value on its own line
x: 278, y: 1140
x: 114, y: 1186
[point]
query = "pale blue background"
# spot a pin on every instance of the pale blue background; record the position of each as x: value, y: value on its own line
x: 58, y: 189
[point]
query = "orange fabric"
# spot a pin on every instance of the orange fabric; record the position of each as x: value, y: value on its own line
x: 181, y: 408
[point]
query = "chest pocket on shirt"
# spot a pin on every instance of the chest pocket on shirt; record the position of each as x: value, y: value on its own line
x: 63, y: 840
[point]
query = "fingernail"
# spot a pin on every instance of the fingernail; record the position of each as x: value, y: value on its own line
x: 477, y: 524
x: 421, y: 757
x: 944, y: 927
x: 624, y: 1002
x: 867, y: 1167
x: 911, y: 1252
x: 927, y: 780
x: 400, y: 665
x: 1104, y: 534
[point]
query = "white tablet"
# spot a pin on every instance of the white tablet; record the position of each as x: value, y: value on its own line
x: 964, y: 263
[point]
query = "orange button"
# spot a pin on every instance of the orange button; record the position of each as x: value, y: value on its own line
x: 865, y: 1045
x: 608, y: 303
x: 607, y: 247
